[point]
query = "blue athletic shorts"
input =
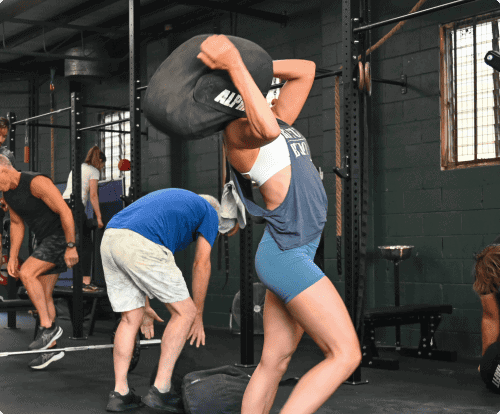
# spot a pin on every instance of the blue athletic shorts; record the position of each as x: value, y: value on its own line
x: 287, y: 273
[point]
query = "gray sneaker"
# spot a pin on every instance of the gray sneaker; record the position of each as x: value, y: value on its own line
x: 45, y: 337
x: 44, y: 360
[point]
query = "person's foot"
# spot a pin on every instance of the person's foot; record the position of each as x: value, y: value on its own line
x: 46, y: 336
x: 118, y: 402
x: 44, y: 360
x: 168, y: 401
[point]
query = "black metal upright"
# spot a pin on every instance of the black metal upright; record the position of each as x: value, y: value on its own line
x: 11, y: 137
x: 77, y: 208
x: 350, y: 102
x: 33, y: 131
x: 135, y: 100
x: 246, y: 294
x: 11, y: 283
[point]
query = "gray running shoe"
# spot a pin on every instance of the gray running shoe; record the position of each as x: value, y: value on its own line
x: 44, y: 360
x: 45, y: 337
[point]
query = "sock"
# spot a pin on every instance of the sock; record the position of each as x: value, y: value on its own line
x: 165, y: 389
x: 123, y: 395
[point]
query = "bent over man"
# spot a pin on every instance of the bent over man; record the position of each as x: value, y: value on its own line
x: 33, y: 198
x: 137, y: 253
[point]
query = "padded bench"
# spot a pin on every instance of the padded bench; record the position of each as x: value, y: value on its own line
x: 429, y: 318
x: 15, y: 305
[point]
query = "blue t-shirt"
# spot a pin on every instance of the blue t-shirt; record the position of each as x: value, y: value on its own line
x: 172, y: 218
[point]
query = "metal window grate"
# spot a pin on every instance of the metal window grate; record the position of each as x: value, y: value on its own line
x: 471, y: 96
x: 115, y: 142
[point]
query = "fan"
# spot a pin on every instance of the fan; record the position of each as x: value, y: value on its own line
x: 259, y: 295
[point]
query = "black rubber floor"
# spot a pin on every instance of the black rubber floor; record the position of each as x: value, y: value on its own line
x: 81, y: 381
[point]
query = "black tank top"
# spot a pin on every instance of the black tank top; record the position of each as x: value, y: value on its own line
x: 42, y: 221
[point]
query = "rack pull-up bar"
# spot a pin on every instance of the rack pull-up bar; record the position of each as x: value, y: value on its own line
x: 105, y: 124
x: 23, y: 121
x: 411, y: 15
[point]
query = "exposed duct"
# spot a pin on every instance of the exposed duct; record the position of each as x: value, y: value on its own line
x: 86, y: 68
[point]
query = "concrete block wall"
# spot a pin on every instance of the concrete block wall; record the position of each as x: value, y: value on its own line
x: 442, y: 213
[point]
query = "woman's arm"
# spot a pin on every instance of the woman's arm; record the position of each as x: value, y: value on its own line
x: 94, y: 200
x: 299, y: 77
x: 260, y: 126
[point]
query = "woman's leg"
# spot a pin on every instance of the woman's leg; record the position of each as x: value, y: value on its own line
x: 281, y: 336
x: 321, y: 312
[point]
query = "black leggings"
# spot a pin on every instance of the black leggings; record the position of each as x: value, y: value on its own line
x: 86, y: 248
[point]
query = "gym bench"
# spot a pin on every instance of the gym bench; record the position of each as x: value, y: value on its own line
x: 429, y: 318
x: 15, y: 305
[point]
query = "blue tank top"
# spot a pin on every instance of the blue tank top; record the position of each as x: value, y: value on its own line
x: 173, y: 218
x: 301, y: 217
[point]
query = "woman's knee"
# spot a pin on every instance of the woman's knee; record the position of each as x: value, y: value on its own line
x: 349, y: 354
x: 277, y: 362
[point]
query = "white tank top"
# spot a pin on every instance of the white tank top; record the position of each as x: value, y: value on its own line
x: 272, y: 158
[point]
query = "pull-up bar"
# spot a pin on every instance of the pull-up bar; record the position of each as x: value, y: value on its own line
x: 23, y: 121
x: 411, y: 15
x: 105, y: 124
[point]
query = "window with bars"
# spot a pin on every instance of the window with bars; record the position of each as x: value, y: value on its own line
x: 470, y: 93
x: 115, y: 142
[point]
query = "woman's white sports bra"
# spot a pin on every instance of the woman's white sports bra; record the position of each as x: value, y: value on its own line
x: 272, y: 158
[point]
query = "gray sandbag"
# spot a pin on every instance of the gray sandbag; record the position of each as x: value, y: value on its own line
x: 185, y: 99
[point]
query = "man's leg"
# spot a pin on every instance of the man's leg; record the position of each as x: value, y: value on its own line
x: 48, y: 282
x: 174, y: 338
x: 29, y: 274
x: 124, y: 346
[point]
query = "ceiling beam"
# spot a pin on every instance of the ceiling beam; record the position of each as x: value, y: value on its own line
x: 60, y: 25
x: 64, y: 18
x: 15, y: 8
x: 236, y: 8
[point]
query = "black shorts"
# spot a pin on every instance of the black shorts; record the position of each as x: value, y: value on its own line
x: 52, y: 249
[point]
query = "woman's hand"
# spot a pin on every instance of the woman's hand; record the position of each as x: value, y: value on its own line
x: 218, y: 53
x: 148, y: 327
x: 100, y: 224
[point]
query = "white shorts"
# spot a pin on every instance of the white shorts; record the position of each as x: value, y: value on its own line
x: 135, y: 267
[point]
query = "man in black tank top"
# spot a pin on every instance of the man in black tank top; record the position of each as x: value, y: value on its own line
x: 32, y: 198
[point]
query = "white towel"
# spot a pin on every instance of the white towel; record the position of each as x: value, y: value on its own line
x: 231, y: 210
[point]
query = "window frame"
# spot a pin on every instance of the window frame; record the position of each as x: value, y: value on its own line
x: 121, y: 132
x: 448, y: 136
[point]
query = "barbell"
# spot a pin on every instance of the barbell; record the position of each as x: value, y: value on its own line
x: 136, y: 353
x: 142, y: 343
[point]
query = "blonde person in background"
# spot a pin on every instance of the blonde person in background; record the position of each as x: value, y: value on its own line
x: 91, y: 170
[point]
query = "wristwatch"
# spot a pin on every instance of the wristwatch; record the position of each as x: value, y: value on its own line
x: 71, y: 245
